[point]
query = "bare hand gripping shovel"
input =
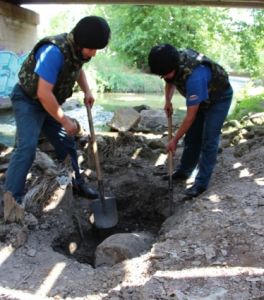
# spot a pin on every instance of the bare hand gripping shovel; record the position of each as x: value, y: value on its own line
x: 104, y: 209
x: 170, y: 166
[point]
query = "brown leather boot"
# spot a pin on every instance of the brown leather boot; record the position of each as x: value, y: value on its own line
x: 13, y: 212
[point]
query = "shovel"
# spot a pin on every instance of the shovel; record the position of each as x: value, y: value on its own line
x: 104, y: 208
x: 170, y: 166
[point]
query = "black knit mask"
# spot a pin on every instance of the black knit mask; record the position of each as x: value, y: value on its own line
x: 91, y: 32
x: 163, y: 59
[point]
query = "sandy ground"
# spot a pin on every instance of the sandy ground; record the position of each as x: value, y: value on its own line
x: 210, y: 248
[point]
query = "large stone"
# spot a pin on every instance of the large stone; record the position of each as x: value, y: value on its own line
x: 122, y: 246
x: 154, y: 119
x: 71, y: 104
x: 44, y: 162
x: 257, y: 118
x: 259, y: 130
x: 124, y: 119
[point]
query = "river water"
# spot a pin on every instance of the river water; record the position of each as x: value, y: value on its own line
x: 104, y: 108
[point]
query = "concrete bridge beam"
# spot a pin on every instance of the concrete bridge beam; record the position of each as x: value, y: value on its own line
x: 18, y: 28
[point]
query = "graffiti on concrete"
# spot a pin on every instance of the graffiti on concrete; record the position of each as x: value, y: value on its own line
x: 10, y: 64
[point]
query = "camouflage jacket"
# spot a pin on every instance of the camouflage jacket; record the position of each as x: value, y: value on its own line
x: 67, y: 77
x: 188, y: 60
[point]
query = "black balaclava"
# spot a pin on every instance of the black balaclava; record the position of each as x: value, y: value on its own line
x: 91, y: 32
x: 163, y: 59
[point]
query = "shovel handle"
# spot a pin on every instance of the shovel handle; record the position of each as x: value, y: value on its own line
x: 170, y: 127
x: 94, y: 144
x: 170, y: 164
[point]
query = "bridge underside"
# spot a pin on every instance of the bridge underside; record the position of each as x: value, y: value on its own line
x: 220, y: 3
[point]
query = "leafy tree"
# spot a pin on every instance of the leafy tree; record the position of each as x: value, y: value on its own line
x: 251, y: 45
x: 136, y: 28
x: 237, y: 45
x: 66, y: 19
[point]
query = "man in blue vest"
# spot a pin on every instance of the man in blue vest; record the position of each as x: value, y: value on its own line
x: 46, y: 80
x: 208, y: 93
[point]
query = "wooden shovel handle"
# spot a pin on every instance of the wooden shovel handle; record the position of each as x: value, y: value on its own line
x: 94, y: 144
x: 170, y: 164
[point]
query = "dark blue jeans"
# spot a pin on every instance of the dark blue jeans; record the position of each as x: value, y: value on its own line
x: 202, y: 139
x: 31, y: 119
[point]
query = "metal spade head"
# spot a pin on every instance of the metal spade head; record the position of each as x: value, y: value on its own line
x: 104, y: 212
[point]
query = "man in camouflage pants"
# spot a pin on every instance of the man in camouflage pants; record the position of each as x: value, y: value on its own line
x: 46, y: 80
x: 208, y: 93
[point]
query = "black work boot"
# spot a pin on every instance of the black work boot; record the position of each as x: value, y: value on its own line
x: 194, y: 191
x: 83, y: 190
x: 176, y: 175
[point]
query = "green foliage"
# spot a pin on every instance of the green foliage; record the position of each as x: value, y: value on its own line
x: 137, y: 28
x: 251, y: 45
x: 248, y: 103
x: 234, y: 41
x: 67, y: 18
x: 112, y: 75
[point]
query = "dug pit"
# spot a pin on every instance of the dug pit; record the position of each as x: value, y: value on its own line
x: 62, y: 219
x: 134, y: 234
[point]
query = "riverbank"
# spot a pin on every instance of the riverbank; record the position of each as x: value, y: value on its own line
x: 106, y: 104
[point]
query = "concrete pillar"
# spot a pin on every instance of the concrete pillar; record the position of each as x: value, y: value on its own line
x: 18, y: 34
x: 18, y: 28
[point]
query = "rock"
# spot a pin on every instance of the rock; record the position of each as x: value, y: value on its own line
x: 139, y: 108
x: 259, y: 130
x: 230, y: 133
x: 257, y: 118
x: 241, y: 149
x: 153, y: 119
x: 19, y: 237
x: 210, y: 252
x: 45, y: 162
x: 122, y: 246
x: 156, y: 144
x: 71, y: 104
x: 232, y: 123
x: 30, y: 221
x: 248, y: 134
x: 124, y: 119
x: 31, y: 252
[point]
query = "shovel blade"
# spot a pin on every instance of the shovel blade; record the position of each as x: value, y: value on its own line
x: 105, y: 216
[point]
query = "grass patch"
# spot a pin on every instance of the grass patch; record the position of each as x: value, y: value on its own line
x: 250, y: 101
